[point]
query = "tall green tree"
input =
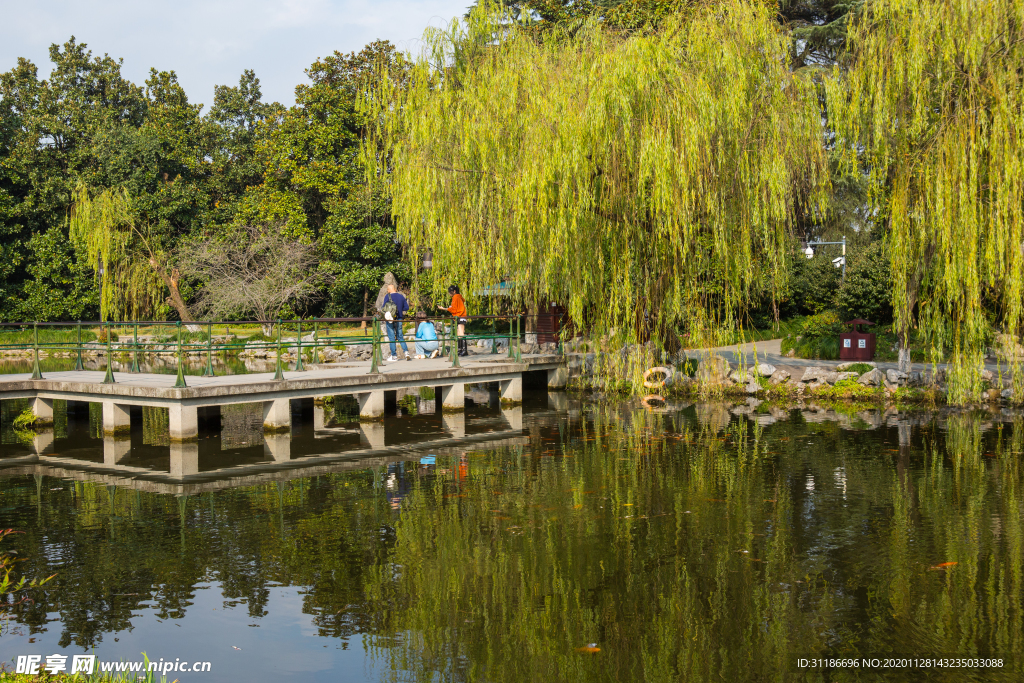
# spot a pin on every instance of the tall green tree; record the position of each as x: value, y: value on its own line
x: 933, y: 102
x: 313, y: 181
x: 647, y: 181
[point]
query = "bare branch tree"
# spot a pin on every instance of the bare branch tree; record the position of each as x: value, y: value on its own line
x: 256, y: 271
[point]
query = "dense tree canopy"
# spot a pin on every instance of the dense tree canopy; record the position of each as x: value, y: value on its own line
x: 649, y: 181
x: 86, y: 132
x: 932, y: 107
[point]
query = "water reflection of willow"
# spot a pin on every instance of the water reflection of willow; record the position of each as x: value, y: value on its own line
x: 697, y: 550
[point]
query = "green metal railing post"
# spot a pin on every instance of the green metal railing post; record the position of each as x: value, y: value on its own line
x: 279, y: 372
x: 511, y: 351
x: 454, y: 344
x: 180, y: 382
x: 78, y: 363
x: 208, y: 372
x: 374, y: 369
x: 36, y: 372
x: 109, y: 377
x: 299, y: 367
x: 494, y: 334
x: 519, y: 350
x: 316, y: 343
x: 135, y: 361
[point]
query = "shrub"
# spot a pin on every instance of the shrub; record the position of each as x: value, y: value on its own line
x: 827, y: 324
x: 867, y: 291
x: 860, y: 368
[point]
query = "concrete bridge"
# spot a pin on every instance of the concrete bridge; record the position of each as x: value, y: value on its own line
x: 204, y: 396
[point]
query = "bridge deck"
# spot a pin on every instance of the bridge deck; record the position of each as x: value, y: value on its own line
x: 346, y: 378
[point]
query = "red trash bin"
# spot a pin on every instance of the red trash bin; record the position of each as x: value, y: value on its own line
x: 857, y: 345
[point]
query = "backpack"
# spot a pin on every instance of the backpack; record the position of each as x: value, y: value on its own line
x: 389, y: 308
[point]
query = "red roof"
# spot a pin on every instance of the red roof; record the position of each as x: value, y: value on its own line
x: 858, y: 321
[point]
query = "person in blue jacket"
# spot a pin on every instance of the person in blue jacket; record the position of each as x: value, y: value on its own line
x: 426, y: 337
x: 394, y: 325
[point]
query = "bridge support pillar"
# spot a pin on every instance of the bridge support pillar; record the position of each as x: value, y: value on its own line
x: 43, y: 409
x: 455, y: 423
x: 511, y: 391
x: 184, y: 458
x: 558, y: 400
x: 182, y: 422
x: 558, y: 377
x: 277, y: 416
x: 318, y: 416
x: 278, y: 447
x: 371, y: 405
x: 42, y: 441
x: 514, y: 416
x: 117, y: 421
x: 453, y: 398
x: 116, y: 449
x: 373, y: 434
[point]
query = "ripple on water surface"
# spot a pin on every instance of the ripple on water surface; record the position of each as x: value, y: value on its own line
x: 597, y: 542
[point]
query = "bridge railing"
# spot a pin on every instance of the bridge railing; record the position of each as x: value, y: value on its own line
x: 301, y: 340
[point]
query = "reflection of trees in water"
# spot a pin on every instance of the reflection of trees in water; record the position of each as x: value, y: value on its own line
x: 155, y: 425
x: 687, y: 548
x: 241, y: 425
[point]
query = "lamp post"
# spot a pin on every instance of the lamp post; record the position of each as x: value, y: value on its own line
x: 839, y: 262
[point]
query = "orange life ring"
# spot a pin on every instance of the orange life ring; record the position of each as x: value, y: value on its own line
x: 658, y: 384
x: 646, y: 400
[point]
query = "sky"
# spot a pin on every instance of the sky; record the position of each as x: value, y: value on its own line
x: 210, y: 42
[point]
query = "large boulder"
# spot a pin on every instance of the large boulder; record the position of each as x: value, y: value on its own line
x: 780, y: 376
x: 740, y: 376
x: 896, y: 377
x: 872, y: 378
x: 712, y: 370
x: 840, y: 376
x: 815, y: 374
x: 764, y: 369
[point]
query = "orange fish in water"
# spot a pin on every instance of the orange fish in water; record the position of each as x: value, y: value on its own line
x: 944, y: 565
x: 589, y: 648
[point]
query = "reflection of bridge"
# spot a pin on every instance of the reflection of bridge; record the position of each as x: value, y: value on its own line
x: 275, y: 470
x: 235, y: 448
x: 208, y: 394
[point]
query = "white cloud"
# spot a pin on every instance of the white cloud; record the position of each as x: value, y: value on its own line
x: 210, y: 42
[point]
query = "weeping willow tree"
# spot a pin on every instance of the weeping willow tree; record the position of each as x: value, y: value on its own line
x: 133, y: 277
x: 645, y: 181
x: 933, y: 106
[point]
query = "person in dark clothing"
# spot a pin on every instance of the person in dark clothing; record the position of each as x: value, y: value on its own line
x: 394, y: 325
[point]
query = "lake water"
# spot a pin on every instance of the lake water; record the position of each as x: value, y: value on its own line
x: 602, y: 543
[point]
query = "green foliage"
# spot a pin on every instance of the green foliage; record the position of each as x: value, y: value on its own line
x: 813, y: 284
x: 867, y: 290
x: 818, y: 338
x: 12, y: 588
x: 859, y: 368
x: 47, y: 335
x: 313, y: 181
x: 25, y: 420
x: 931, y: 107
x: 827, y: 324
x: 613, y: 174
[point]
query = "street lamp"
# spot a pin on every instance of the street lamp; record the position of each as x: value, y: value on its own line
x: 837, y: 262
